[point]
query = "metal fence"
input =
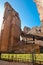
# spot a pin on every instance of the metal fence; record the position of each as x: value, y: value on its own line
x: 34, y: 58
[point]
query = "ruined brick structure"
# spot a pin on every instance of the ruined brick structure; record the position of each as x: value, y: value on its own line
x: 11, y: 32
x: 11, y: 27
x: 39, y: 4
x: 26, y: 29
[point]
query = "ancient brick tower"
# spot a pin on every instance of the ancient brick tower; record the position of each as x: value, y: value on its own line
x: 11, y: 27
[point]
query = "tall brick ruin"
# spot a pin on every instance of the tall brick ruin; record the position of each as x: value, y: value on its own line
x: 11, y: 32
x: 11, y: 29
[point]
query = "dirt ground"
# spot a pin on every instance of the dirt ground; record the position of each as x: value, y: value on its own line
x: 13, y: 63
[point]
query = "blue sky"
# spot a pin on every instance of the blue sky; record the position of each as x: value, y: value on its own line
x: 27, y: 12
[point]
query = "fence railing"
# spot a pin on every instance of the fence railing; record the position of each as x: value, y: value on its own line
x: 35, y: 58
